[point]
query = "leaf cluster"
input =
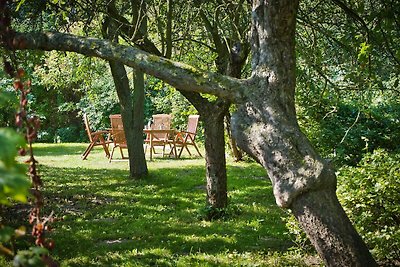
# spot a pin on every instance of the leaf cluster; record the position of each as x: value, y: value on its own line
x: 13, y: 181
x: 369, y: 194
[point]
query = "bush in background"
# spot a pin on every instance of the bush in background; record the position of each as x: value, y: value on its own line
x: 370, y: 195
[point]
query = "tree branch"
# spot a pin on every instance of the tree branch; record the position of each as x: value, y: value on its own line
x: 182, y: 76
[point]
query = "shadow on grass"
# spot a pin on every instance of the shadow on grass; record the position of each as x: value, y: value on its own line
x: 106, y: 219
x: 103, y: 212
x: 42, y: 149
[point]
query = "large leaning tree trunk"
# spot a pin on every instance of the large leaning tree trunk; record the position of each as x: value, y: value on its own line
x: 265, y: 123
x: 266, y: 127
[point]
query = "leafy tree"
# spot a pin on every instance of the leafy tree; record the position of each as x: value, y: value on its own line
x: 347, y: 71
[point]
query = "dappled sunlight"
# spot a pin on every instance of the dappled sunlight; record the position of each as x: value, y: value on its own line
x: 157, y: 219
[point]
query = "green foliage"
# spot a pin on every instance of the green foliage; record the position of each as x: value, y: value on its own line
x: 67, y: 134
x: 346, y: 131
x: 14, y: 183
x: 370, y: 195
x: 82, y: 85
x: 296, y: 234
x: 348, y: 77
x: 162, y: 98
x: 31, y: 257
x: 13, y: 180
x: 8, y: 102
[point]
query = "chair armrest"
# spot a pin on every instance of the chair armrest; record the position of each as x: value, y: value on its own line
x: 100, y: 132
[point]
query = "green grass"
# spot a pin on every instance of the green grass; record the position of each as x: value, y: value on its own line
x: 106, y: 219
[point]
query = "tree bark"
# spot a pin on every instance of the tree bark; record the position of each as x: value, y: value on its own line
x: 236, y: 152
x: 132, y: 113
x: 322, y: 217
x: 215, y: 154
x: 138, y: 157
x: 177, y: 74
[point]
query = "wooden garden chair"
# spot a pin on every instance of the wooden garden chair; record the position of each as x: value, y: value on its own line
x: 97, y: 138
x: 159, y: 133
x: 186, y: 138
x: 117, y: 135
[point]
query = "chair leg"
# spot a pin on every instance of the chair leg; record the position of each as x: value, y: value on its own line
x: 198, y: 151
x: 85, y: 154
x: 187, y: 149
x: 163, y: 151
x: 103, y: 143
x: 89, y: 148
x: 180, y: 152
x: 173, y: 150
x: 112, y: 153
x: 122, y: 153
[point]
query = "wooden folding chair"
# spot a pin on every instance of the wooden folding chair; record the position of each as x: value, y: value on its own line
x: 95, y: 138
x: 159, y: 133
x: 186, y: 138
x: 117, y: 135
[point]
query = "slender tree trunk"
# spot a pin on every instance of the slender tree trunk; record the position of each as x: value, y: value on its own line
x: 132, y: 118
x: 212, y: 114
x: 215, y: 158
x: 138, y: 157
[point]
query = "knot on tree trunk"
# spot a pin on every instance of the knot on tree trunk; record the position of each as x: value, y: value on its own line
x: 274, y: 140
x: 312, y: 175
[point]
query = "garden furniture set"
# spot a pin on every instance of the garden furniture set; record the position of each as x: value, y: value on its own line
x: 158, y: 134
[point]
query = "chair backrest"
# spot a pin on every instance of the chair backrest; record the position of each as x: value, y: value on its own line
x: 117, y: 129
x: 161, y: 122
x: 87, y: 126
x: 193, y: 121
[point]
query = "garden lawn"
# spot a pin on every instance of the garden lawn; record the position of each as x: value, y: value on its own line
x: 106, y: 219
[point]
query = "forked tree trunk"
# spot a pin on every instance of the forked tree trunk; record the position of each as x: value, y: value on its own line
x: 132, y: 117
x: 132, y: 112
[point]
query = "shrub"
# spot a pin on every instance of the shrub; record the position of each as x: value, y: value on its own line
x: 345, y: 132
x: 296, y: 234
x: 67, y: 134
x: 370, y: 195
